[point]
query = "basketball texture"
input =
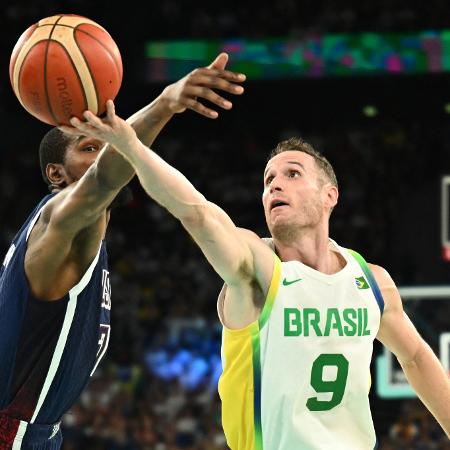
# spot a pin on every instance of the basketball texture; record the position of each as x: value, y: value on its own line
x: 64, y: 65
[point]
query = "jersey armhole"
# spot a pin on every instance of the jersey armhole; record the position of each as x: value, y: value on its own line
x: 268, y: 303
x: 271, y: 293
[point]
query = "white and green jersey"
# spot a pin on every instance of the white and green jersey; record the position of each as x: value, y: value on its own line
x: 298, y: 378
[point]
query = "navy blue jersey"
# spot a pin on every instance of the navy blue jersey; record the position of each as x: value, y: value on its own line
x: 48, y: 350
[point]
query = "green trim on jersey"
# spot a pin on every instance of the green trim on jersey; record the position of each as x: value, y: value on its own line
x: 270, y: 299
x: 371, y: 279
x: 257, y: 388
x: 256, y: 346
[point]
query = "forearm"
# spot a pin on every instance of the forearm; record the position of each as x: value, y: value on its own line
x: 431, y: 383
x: 150, y: 120
x: 165, y: 184
x: 113, y: 170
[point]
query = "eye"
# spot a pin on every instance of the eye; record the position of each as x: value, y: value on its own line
x: 268, y: 180
x: 90, y: 148
x: 294, y: 174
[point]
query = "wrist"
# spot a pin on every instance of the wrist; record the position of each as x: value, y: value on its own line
x: 157, y: 111
x: 134, y: 153
x: 164, y: 104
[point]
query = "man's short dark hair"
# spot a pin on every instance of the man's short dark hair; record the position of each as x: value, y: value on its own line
x: 52, y: 149
x: 298, y: 144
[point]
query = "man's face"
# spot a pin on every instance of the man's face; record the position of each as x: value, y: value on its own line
x: 293, y: 196
x: 80, y: 155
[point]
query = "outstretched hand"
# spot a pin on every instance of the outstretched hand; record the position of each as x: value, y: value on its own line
x: 200, y: 84
x: 111, y: 129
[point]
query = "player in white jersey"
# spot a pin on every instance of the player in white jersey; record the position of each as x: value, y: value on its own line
x: 299, y: 318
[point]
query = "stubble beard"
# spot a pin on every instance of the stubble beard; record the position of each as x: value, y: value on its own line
x: 285, y: 231
x: 289, y: 230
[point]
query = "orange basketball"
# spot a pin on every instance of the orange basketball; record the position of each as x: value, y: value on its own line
x: 62, y: 66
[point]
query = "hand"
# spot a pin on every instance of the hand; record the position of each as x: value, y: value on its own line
x: 199, y: 84
x: 111, y: 129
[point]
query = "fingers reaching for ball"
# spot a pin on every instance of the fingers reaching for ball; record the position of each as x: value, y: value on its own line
x: 111, y: 128
x: 110, y: 110
x: 91, y: 121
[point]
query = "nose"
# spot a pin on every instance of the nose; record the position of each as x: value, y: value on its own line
x: 275, y: 185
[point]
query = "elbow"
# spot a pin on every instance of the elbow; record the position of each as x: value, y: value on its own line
x: 407, y: 364
x: 414, y: 359
x: 195, y: 214
x: 408, y: 360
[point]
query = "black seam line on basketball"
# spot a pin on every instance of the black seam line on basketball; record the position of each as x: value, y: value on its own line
x: 89, y: 70
x: 45, y: 70
x: 53, y: 24
x: 101, y: 43
x: 20, y: 71
x: 78, y: 76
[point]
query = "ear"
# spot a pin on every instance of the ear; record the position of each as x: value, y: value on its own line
x: 57, y: 175
x: 332, y: 195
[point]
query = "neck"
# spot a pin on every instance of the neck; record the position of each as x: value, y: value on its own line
x: 313, y: 249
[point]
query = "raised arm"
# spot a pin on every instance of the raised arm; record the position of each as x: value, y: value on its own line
x: 111, y: 171
x: 419, y: 363
x: 238, y: 256
x: 82, y: 205
x: 188, y: 93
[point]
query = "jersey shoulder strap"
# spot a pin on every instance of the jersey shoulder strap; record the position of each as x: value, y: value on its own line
x: 370, y: 278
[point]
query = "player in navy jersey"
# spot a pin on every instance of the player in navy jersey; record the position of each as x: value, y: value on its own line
x: 55, y: 294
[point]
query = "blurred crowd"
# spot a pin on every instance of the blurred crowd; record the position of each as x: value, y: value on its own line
x: 414, y: 429
x: 254, y: 19
x: 157, y: 387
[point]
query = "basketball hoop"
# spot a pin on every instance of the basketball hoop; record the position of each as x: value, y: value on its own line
x: 445, y: 217
x: 446, y: 253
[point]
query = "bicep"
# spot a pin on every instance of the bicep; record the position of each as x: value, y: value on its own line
x: 68, y: 230
x: 55, y: 258
x: 223, y: 244
x: 399, y: 335
x: 396, y: 331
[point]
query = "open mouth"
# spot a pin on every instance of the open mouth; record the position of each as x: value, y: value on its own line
x: 277, y: 204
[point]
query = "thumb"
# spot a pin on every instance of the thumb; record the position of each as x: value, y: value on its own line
x: 220, y: 62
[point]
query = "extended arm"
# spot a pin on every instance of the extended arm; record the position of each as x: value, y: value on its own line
x: 419, y: 363
x: 60, y: 245
x: 111, y: 171
x: 231, y: 251
x: 207, y: 223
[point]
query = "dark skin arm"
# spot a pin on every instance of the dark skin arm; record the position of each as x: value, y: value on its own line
x: 68, y: 233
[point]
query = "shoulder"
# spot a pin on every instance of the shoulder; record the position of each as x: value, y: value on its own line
x: 384, y: 280
x: 56, y: 204
x: 389, y: 291
x: 40, y: 216
x: 248, y: 234
x: 257, y: 244
x: 52, y: 203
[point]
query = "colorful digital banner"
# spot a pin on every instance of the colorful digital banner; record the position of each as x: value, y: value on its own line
x: 313, y: 56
